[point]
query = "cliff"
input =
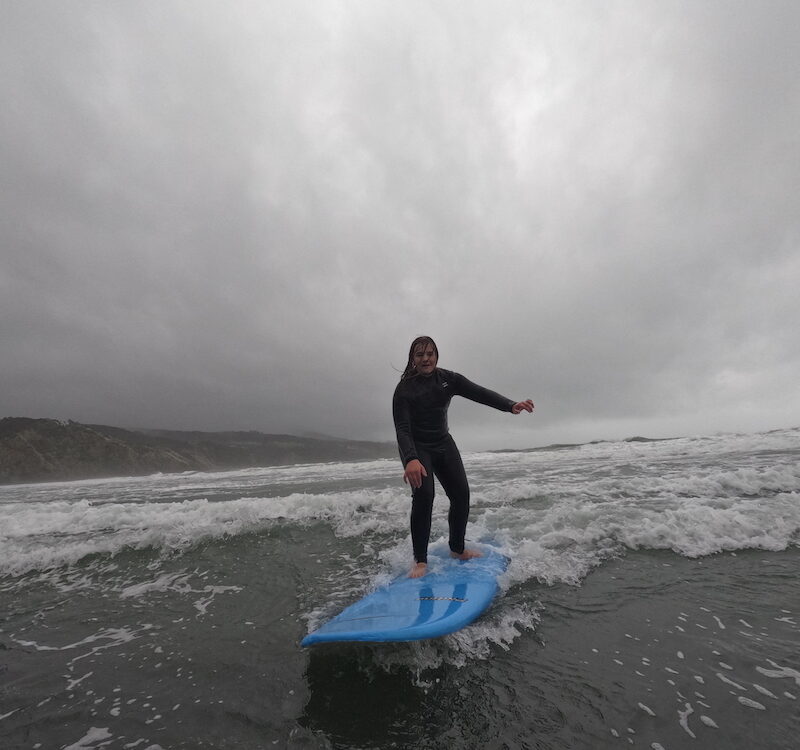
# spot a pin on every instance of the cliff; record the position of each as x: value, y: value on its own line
x: 34, y: 450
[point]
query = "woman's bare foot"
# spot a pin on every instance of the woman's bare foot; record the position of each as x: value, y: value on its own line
x: 419, y: 570
x: 467, y: 554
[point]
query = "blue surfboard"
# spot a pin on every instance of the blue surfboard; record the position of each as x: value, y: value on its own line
x: 450, y: 596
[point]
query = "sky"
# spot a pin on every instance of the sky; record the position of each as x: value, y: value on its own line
x: 237, y: 215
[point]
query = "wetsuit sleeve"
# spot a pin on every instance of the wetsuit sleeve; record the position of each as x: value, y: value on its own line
x: 402, y: 425
x: 475, y: 392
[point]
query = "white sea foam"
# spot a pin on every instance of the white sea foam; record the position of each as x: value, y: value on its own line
x: 683, y: 719
x: 107, y: 638
x: 91, y: 739
x: 751, y: 703
x: 72, y: 683
x: 46, y: 535
x: 167, y: 582
x: 496, y: 629
x: 558, y: 514
x: 765, y: 691
x: 779, y: 672
x: 730, y: 682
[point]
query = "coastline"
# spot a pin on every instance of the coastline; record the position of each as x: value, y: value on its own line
x: 49, y: 450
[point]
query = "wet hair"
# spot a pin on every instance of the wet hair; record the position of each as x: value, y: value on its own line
x: 411, y: 371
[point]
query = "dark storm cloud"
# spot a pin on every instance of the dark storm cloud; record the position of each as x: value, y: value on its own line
x: 238, y: 215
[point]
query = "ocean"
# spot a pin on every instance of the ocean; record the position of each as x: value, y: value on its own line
x: 652, y: 601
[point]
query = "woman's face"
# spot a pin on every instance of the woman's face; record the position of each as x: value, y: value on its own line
x: 425, y: 359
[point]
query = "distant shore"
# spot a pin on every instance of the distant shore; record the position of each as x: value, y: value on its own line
x: 49, y: 450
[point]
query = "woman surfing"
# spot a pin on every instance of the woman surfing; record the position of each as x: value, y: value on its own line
x: 427, y: 450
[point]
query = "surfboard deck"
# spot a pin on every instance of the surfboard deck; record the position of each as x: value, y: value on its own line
x: 450, y: 596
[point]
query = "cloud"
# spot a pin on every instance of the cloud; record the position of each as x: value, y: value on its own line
x: 238, y: 216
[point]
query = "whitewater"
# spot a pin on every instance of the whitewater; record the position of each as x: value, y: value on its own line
x: 652, y: 601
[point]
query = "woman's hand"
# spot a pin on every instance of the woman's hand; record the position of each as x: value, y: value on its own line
x: 414, y: 473
x: 526, y: 405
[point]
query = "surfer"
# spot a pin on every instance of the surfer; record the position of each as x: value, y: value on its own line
x: 419, y: 407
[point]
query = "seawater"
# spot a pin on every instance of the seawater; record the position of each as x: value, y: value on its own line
x: 652, y: 601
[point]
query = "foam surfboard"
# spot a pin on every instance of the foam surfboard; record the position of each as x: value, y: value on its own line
x: 450, y: 596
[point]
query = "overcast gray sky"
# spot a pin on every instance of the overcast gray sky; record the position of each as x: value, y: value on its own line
x: 237, y: 215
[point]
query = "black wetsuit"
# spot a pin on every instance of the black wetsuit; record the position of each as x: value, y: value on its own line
x: 420, y: 418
